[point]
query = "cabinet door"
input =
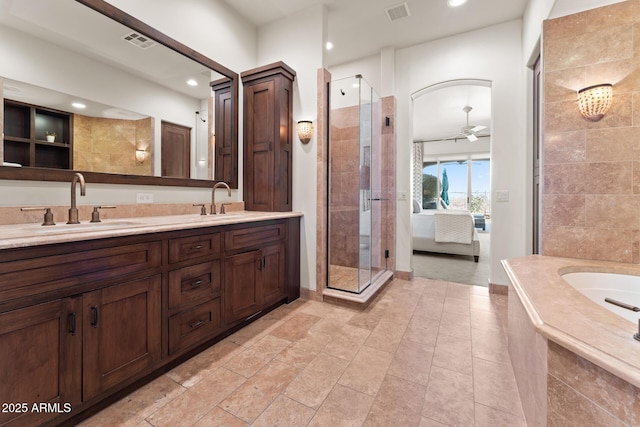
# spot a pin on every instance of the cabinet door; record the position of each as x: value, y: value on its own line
x: 40, y: 360
x: 259, y: 140
x: 272, y: 274
x: 241, y: 289
x: 122, y: 328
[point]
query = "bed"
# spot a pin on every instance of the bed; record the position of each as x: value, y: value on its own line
x: 449, y: 232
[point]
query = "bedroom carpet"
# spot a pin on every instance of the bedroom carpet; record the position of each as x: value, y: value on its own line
x: 455, y: 268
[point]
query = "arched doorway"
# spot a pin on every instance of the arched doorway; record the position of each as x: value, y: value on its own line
x: 451, y: 136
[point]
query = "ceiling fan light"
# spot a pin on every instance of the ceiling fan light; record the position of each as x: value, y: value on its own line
x: 455, y: 3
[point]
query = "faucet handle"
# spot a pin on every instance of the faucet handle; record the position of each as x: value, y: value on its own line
x: 223, y: 209
x: 48, y: 215
x: 95, y: 215
x: 203, y: 210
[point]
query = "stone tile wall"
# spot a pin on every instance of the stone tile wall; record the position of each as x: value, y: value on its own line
x: 591, y: 190
x: 109, y: 145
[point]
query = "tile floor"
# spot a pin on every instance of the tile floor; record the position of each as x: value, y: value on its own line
x: 425, y: 353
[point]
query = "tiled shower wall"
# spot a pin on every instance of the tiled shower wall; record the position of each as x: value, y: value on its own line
x: 109, y: 145
x: 591, y: 192
x: 344, y: 212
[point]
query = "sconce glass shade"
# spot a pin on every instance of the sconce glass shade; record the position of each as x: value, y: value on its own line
x: 141, y: 155
x: 305, y: 131
x: 594, y: 101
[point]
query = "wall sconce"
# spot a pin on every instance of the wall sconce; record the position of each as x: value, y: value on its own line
x: 594, y: 101
x: 141, y: 155
x: 305, y: 131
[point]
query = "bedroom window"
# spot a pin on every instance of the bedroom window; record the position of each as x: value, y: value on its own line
x: 463, y: 183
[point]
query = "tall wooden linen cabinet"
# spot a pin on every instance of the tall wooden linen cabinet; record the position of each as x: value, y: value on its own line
x: 268, y: 136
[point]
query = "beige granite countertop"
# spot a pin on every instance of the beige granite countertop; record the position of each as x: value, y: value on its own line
x: 25, y: 235
x: 562, y: 314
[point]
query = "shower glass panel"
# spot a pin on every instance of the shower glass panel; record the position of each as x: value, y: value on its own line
x: 356, y: 233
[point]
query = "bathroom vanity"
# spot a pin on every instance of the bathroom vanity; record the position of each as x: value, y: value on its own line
x: 90, y: 309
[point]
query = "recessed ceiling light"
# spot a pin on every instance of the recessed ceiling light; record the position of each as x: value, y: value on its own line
x: 192, y: 82
x: 455, y: 3
x: 78, y: 105
x: 329, y: 46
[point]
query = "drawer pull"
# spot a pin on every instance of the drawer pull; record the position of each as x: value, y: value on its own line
x: 72, y: 323
x: 196, y: 283
x: 94, y: 316
x: 197, y: 324
x: 197, y: 247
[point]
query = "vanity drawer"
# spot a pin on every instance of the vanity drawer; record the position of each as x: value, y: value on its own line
x: 29, y: 272
x: 191, y: 285
x: 253, y: 236
x: 186, y: 248
x: 194, y: 325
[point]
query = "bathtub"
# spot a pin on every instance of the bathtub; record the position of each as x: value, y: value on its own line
x: 574, y: 357
x: 598, y: 286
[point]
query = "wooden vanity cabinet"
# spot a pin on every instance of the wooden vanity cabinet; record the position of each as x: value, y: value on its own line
x: 81, y: 321
x: 40, y: 350
x: 253, y: 270
x: 268, y: 135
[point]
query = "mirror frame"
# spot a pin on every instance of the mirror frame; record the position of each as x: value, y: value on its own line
x: 65, y: 175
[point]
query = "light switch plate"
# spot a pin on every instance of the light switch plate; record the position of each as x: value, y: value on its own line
x: 502, y: 196
x: 144, y: 197
x: 402, y: 196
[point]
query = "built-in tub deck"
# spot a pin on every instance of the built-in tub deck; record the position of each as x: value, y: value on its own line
x: 568, y: 351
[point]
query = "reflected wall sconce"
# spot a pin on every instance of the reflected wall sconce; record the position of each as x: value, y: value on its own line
x: 141, y: 155
x: 594, y: 101
x: 305, y: 131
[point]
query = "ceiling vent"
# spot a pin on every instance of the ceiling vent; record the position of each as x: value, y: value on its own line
x: 397, y: 12
x: 139, y: 40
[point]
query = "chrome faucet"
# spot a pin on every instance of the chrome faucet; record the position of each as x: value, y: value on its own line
x: 73, y: 211
x: 213, y: 195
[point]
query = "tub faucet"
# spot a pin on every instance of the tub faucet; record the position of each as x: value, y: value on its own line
x: 213, y: 195
x: 73, y: 211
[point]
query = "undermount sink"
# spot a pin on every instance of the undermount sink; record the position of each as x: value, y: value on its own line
x: 85, y: 227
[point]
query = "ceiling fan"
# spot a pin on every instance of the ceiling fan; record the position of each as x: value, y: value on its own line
x: 469, y: 132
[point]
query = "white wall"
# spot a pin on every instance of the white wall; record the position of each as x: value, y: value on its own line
x: 368, y: 67
x: 492, y: 54
x: 567, y: 7
x: 298, y: 41
x: 210, y: 27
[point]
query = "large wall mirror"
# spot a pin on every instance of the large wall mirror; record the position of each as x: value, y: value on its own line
x: 127, y: 104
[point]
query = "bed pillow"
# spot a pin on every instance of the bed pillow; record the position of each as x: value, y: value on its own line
x: 416, y: 206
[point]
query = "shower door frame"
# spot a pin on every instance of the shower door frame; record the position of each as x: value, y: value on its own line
x: 375, y: 122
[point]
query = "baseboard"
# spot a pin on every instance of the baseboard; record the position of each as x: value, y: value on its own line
x: 498, y: 289
x: 404, y: 275
x: 308, y: 294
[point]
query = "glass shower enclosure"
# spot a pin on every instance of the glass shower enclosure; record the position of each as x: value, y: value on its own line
x: 356, y: 246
